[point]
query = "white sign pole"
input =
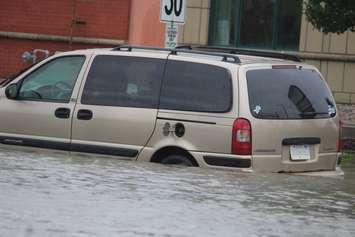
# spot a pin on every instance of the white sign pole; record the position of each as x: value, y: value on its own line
x: 171, y: 35
x: 172, y: 12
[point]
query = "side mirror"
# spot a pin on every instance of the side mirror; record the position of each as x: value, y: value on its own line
x: 11, y: 91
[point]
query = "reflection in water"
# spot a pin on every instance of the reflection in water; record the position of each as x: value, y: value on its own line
x: 58, y: 195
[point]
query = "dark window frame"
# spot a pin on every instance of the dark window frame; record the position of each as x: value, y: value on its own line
x: 163, y: 60
x: 287, y: 118
x: 38, y: 68
x: 231, y: 90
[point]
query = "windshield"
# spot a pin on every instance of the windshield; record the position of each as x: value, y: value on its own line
x: 7, y: 80
x: 289, y: 94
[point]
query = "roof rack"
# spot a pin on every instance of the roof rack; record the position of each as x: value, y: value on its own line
x: 129, y: 48
x: 189, y: 47
x: 251, y: 52
x: 226, y: 57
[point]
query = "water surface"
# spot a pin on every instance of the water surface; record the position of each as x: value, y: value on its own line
x: 50, y: 194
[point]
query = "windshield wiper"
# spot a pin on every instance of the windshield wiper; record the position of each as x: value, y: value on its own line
x: 265, y: 115
x: 312, y: 114
x: 329, y: 102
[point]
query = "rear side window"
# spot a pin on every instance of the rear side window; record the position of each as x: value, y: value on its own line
x: 196, y: 87
x: 289, y: 94
x: 123, y: 81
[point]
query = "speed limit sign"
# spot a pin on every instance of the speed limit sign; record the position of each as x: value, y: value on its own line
x: 173, y: 11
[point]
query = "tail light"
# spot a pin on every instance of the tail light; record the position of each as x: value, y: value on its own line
x: 340, y: 138
x: 241, y: 137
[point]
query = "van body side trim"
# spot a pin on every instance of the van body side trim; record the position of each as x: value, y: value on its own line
x: 19, y: 141
x: 103, y: 150
x: 227, y: 162
x: 66, y: 146
x: 187, y: 121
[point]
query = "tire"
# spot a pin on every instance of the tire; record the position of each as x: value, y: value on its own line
x: 176, y: 159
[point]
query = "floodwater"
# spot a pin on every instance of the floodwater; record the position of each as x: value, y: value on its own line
x: 50, y: 194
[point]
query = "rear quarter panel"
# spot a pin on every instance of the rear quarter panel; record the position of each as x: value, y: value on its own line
x: 205, y: 132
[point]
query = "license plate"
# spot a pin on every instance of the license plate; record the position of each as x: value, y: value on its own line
x: 300, y: 152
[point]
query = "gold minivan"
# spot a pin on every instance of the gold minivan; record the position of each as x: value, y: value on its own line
x: 237, y: 110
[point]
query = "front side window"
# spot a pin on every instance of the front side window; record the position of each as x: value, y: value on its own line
x: 123, y: 81
x: 53, y: 81
x: 265, y: 24
x: 196, y: 87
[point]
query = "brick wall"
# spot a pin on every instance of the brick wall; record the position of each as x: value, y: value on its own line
x: 106, y: 19
x: 103, y: 18
x: 11, y: 52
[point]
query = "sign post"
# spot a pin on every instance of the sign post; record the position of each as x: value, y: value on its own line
x: 172, y: 12
x: 171, y: 35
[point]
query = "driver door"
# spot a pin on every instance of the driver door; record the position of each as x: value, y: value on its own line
x: 41, y: 114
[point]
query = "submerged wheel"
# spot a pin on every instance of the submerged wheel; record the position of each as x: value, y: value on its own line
x: 176, y: 159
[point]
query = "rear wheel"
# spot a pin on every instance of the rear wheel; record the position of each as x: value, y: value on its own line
x: 176, y: 159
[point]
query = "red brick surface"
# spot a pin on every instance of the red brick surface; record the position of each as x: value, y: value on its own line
x: 11, y: 51
x: 103, y: 19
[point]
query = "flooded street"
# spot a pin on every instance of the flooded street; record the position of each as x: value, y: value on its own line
x: 48, y: 194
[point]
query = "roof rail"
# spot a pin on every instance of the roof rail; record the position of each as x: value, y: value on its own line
x: 129, y: 48
x: 184, y: 47
x: 226, y: 57
x: 251, y: 52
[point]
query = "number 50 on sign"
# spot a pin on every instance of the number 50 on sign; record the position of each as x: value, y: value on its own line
x: 173, y: 11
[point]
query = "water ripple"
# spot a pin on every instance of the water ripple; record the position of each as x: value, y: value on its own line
x: 53, y: 194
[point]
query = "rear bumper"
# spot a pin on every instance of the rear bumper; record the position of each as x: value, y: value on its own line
x: 338, y: 172
x: 324, y: 162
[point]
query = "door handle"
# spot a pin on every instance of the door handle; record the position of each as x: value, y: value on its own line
x: 62, y: 113
x: 84, y: 114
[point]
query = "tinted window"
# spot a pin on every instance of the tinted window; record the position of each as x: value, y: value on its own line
x: 289, y: 94
x: 54, y: 81
x: 123, y: 81
x: 196, y: 87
